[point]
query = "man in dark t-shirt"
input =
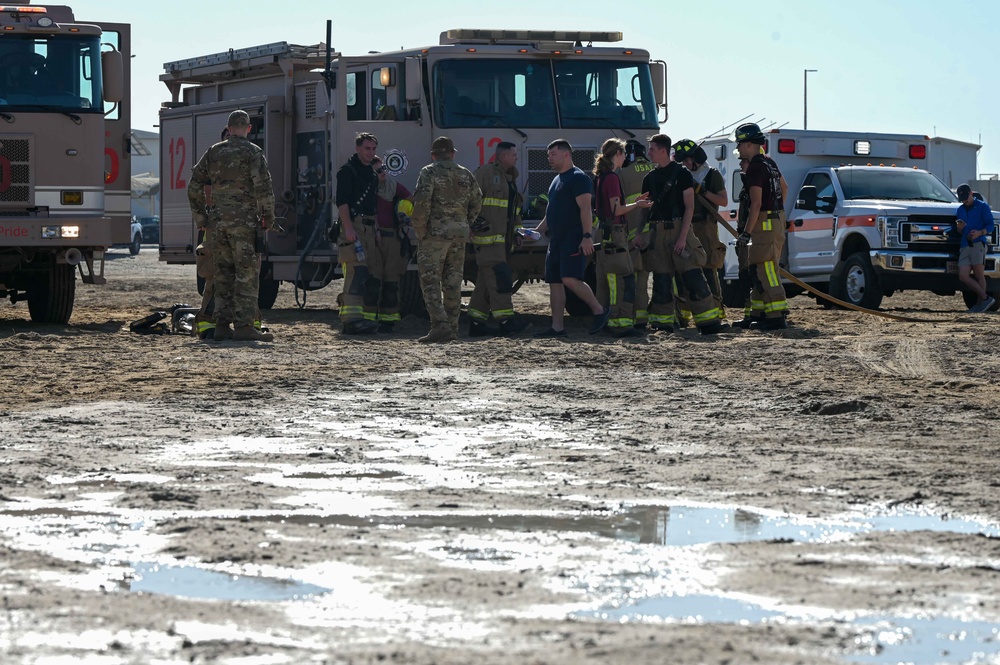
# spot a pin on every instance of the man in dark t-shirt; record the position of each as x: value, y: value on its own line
x: 357, y: 194
x: 675, y: 249
x: 764, y: 236
x: 568, y: 222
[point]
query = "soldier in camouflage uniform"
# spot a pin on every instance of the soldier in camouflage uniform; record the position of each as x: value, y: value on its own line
x: 446, y: 201
x: 243, y: 197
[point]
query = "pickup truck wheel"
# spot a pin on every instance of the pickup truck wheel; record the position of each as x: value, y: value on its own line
x: 411, y: 298
x: 136, y: 244
x: 854, y: 280
x: 971, y: 299
x: 51, y: 294
x: 200, y: 282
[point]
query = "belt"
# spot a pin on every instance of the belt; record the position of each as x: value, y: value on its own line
x: 773, y: 214
x: 366, y: 219
x: 663, y: 223
x: 387, y: 233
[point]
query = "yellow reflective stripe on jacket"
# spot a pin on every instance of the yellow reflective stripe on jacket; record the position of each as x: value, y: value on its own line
x: 496, y: 203
x: 487, y: 240
x: 765, y: 225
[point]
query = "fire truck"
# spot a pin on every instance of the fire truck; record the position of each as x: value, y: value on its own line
x: 64, y: 135
x: 866, y: 216
x: 479, y: 87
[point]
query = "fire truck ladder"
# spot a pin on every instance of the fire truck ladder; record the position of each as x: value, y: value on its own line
x: 242, y: 63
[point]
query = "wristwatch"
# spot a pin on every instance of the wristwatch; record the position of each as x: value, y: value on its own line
x: 587, y: 235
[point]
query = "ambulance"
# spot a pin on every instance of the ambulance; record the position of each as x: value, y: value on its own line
x: 866, y: 217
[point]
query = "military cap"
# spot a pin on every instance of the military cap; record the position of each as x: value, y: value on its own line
x: 239, y: 119
x: 443, y: 146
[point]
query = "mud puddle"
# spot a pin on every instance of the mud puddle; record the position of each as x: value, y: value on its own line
x: 194, y: 582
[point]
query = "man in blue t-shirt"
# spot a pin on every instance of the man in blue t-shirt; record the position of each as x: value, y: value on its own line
x: 569, y: 220
x: 974, y: 220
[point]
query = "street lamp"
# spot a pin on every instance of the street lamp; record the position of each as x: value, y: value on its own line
x: 805, y: 97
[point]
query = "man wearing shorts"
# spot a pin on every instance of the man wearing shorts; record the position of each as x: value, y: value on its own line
x: 974, y: 220
x: 569, y: 221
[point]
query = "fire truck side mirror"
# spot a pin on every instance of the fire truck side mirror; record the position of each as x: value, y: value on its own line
x: 658, y: 72
x: 414, y: 79
x: 112, y: 71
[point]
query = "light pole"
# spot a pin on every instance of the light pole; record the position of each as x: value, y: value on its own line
x: 805, y: 97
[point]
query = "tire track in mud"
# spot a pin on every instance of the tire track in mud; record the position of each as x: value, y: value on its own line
x: 905, y: 358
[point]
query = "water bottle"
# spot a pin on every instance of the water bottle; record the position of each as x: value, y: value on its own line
x: 529, y: 234
x: 359, y: 250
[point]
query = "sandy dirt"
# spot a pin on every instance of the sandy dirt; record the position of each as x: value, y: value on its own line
x: 827, y: 494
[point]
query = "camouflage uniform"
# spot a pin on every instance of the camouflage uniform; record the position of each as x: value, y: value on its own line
x: 446, y: 201
x: 491, y: 239
x: 242, y: 196
x: 205, y: 319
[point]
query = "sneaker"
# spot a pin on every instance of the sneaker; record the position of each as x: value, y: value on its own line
x: 551, y: 332
x: 985, y: 305
x: 600, y: 320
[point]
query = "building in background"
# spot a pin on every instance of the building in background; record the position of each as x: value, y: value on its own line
x: 145, y: 160
x: 955, y: 162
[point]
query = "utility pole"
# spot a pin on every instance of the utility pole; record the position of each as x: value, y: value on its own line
x: 805, y: 97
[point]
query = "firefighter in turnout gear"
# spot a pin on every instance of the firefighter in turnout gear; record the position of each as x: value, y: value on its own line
x: 764, y: 236
x: 744, y: 283
x: 493, y: 233
x: 357, y: 196
x: 710, y: 185
x: 615, y: 269
x: 633, y: 170
x: 675, y: 250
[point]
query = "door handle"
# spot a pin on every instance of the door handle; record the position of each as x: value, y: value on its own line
x: 732, y: 214
x: 798, y: 222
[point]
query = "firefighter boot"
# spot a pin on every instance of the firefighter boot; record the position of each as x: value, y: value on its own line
x: 223, y: 330
x: 513, y: 326
x: 477, y: 329
x: 248, y: 333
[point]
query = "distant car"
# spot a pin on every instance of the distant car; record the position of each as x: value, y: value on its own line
x: 136, y: 243
x: 150, y: 228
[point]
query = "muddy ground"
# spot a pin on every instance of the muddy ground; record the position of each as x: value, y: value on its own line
x: 828, y: 494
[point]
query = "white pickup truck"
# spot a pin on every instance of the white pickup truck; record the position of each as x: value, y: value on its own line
x: 864, y: 219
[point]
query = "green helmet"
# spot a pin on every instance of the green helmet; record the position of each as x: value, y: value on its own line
x: 683, y: 149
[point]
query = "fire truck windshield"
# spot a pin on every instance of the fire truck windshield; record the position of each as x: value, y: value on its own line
x: 900, y: 184
x: 58, y: 73
x: 594, y: 93
x: 519, y: 93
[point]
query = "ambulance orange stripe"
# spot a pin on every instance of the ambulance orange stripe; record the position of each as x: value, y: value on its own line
x: 814, y: 224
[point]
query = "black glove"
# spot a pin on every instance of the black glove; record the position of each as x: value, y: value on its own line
x: 743, y: 240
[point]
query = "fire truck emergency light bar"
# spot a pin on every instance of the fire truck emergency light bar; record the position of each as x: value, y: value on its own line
x: 516, y: 36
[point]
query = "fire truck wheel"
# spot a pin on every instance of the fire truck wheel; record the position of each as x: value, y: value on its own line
x: 411, y: 298
x: 854, y: 280
x: 200, y: 281
x: 971, y: 299
x: 267, y: 291
x: 51, y: 294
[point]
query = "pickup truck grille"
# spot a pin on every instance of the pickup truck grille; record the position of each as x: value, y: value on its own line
x: 929, y: 233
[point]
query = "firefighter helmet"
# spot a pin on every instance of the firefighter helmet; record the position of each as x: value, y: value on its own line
x: 750, y: 132
x: 683, y: 149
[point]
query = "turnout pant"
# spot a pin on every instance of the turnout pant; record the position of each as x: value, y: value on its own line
x: 744, y: 282
x: 356, y: 273
x: 766, y: 242
x: 492, y: 295
x: 664, y: 264
x: 237, y: 274
x: 641, y: 288
x: 386, y: 265
x: 440, y: 261
x: 616, y: 278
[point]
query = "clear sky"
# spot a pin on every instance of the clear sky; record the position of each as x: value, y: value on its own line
x: 901, y: 66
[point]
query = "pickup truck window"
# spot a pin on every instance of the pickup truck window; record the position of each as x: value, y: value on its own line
x: 823, y: 184
x: 894, y: 184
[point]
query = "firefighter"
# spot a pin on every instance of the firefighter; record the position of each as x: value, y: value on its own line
x: 357, y: 193
x: 764, y: 235
x: 675, y: 250
x: 710, y: 184
x: 615, y: 269
x: 744, y: 282
x: 493, y: 234
x: 390, y: 254
x: 634, y: 169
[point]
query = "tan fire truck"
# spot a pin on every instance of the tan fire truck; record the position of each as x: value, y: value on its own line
x: 64, y: 136
x: 479, y: 87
